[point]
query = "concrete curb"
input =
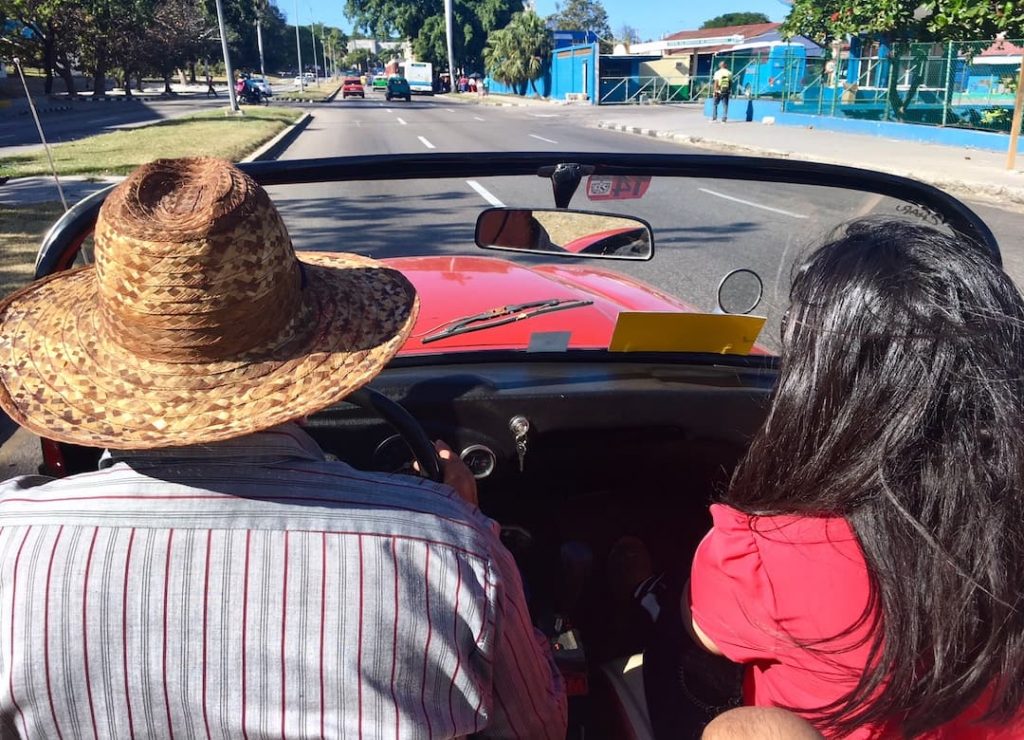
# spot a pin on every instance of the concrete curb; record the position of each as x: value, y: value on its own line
x: 329, y: 99
x: 273, y: 148
x: 972, y: 188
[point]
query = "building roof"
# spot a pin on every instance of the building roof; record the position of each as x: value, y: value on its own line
x: 747, y: 31
x: 1002, y: 48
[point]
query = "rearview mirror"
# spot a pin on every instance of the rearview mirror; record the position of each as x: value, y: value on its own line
x: 565, y: 233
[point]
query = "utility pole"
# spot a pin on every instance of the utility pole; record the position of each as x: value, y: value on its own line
x: 227, y: 59
x: 259, y: 35
x: 448, y: 23
x: 298, y: 47
x: 316, y: 68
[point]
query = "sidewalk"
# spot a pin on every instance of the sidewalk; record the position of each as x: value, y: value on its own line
x: 974, y: 172
x: 21, y: 191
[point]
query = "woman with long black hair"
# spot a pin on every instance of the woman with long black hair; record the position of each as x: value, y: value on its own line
x: 866, y: 565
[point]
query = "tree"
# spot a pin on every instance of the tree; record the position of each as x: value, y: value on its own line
x: 922, y: 20
x: 181, y: 33
x: 627, y: 34
x: 735, y: 19
x: 519, y: 52
x: 361, y: 59
x: 422, y: 23
x: 581, y: 15
x: 44, y: 33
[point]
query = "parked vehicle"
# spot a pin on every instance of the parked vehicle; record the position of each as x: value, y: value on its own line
x: 397, y: 87
x: 600, y: 368
x: 352, y: 87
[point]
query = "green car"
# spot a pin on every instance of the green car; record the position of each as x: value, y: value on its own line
x: 398, y: 87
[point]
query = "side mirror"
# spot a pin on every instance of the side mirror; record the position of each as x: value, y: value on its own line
x: 565, y: 233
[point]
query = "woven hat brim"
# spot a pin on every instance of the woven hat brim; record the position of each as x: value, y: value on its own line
x: 59, y: 379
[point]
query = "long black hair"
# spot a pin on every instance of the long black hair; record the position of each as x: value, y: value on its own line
x: 900, y: 407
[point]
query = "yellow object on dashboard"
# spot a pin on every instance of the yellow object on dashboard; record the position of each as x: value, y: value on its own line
x: 656, y: 331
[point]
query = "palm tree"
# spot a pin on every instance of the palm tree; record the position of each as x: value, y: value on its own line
x: 519, y: 52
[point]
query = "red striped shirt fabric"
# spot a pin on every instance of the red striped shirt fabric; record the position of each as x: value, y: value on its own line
x: 253, y: 589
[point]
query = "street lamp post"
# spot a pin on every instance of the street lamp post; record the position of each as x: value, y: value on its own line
x: 316, y: 68
x: 298, y: 47
x: 232, y: 99
x: 448, y: 23
x: 259, y: 37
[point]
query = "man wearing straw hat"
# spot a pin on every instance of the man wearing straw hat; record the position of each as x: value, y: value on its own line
x: 217, y: 575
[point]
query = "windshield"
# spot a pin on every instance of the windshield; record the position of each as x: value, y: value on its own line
x: 704, y: 229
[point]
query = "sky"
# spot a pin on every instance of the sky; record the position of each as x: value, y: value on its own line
x: 652, y: 18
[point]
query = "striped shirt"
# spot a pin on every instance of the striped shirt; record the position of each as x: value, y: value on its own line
x: 254, y: 589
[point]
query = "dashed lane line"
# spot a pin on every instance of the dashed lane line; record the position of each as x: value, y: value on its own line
x: 485, y: 194
x: 426, y: 143
x: 550, y: 141
x: 402, y: 121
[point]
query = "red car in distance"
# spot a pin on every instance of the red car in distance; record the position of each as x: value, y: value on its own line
x: 352, y: 86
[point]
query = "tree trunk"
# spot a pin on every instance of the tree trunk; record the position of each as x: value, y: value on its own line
x: 48, y: 60
x: 66, y: 74
x: 192, y: 73
x: 167, y: 83
x: 99, y: 74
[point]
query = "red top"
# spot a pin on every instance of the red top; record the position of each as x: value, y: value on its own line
x: 762, y: 586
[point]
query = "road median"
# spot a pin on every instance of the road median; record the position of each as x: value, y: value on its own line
x: 209, y: 133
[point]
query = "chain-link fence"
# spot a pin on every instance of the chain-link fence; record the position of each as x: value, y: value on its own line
x: 970, y: 84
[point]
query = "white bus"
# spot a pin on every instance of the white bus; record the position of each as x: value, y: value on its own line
x: 420, y: 76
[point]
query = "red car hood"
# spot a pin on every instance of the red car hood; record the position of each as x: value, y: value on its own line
x: 454, y: 287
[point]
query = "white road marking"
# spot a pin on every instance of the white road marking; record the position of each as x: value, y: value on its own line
x: 426, y: 143
x: 550, y: 141
x: 752, y: 204
x: 449, y: 110
x: 544, y: 115
x: 402, y: 121
x: 478, y: 118
x: 485, y: 193
x: 390, y: 111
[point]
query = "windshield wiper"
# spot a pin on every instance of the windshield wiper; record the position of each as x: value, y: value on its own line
x: 504, y: 315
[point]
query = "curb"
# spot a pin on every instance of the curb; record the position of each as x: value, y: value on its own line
x: 273, y: 148
x: 329, y: 99
x: 1000, y: 193
x: 474, y: 100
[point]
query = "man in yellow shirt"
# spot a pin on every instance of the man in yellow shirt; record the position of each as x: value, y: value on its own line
x: 721, y: 85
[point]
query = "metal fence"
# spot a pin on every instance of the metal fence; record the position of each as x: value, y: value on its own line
x: 968, y: 84
x: 648, y: 89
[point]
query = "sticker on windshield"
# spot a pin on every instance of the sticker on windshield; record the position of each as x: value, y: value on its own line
x: 617, y: 187
x: 921, y: 212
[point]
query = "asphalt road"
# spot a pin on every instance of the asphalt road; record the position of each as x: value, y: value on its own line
x: 87, y: 118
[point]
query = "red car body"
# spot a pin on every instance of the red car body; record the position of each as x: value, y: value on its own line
x: 352, y: 86
x: 456, y: 286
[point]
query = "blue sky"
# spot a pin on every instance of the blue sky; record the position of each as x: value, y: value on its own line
x: 652, y: 18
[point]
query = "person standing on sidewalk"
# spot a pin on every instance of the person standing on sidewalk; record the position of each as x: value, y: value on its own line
x: 210, y: 89
x: 721, y: 84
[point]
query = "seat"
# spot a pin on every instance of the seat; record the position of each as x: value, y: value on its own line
x: 625, y: 679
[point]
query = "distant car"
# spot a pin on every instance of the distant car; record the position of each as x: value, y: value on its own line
x: 261, y: 84
x: 352, y: 86
x: 306, y: 78
x: 398, y: 87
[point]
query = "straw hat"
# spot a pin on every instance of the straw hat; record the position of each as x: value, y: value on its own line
x: 197, y: 323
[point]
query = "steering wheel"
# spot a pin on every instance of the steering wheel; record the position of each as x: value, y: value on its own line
x: 406, y: 425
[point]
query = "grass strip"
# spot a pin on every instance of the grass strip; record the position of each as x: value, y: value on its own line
x: 312, y: 92
x: 209, y: 133
x: 21, y: 231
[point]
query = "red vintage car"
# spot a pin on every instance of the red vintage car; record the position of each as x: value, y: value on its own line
x: 352, y: 87
x: 595, y: 391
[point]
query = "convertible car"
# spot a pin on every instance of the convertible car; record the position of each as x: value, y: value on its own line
x: 596, y: 338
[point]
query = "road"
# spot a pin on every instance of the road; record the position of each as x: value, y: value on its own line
x: 87, y: 118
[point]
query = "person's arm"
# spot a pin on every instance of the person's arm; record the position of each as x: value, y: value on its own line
x: 528, y: 693
x: 693, y: 629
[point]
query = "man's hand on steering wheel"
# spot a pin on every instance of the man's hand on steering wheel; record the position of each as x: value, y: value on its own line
x: 456, y: 474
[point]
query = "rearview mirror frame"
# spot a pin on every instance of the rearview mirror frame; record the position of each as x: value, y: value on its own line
x: 533, y: 233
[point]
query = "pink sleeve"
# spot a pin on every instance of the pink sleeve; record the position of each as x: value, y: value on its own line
x: 731, y: 598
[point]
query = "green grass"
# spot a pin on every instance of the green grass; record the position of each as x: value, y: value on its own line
x: 312, y: 92
x: 21, y: 231
x: 210, y: 133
